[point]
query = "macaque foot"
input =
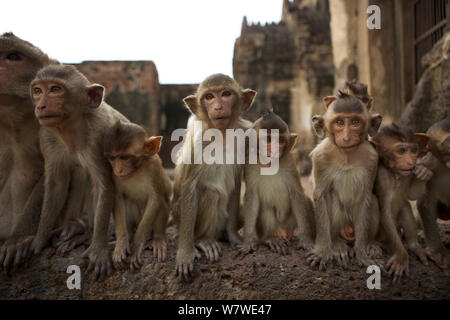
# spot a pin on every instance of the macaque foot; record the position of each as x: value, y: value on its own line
x: 439, y: 257
x: 305, y: 243
x: 39, y: 244
x: 69, y: 230
x: 121, y: 251
x: 99, y: 261
x: 278, y: 245
x: 211, y: 248
x: 363, y: 259
x: 421, y: 253
x: 159, y: 248
x: 65, y: 247
x: 185, y: 263
x: 320, y: 257
x: 374, y: 251
x: 247, y: 247
x: 342, y: 253
x: 14, y: 252
x: 397, y: 266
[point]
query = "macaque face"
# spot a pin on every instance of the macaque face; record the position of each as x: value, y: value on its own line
x: 49, y: 98
x: 276, y: 144
x: 404, y: 157
x: 219, y: 106
x: 123, y: 163
x: 347, y: 129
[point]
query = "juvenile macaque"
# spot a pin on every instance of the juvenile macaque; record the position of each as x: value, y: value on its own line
x: 140, y: 180
x: 21, y: 162
x: 344, y: 171
x: 399, y: 179
x: 437, y: 197
x: 206, y: 196
x: 275, y: 201
x: 73, y: 119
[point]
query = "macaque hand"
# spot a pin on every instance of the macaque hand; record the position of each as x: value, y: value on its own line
x: 39, y: 243
x: 342, y: 253
x: 136, y: 256
x: 68, y: 231
x: 185, y: 263
x: 397, y: 265
x: 15, y: 251
x: 247, y: 247
x: 422, y: 172
x: 362, y: 257
x: 320, y: 257
x: 66, y: 246
x: 121, y: 251
x: 211, y: 248
x: 159, y: 248
x: 99, y: 261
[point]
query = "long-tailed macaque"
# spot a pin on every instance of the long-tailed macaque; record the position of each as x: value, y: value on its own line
x: 139, y: 178
x: 206, y: 196
x: 21, y: 162
x: 399, y: 179
x: 344, y: 171
x: 73, y: 118
x: 437, y: 198
x: 275, y: 201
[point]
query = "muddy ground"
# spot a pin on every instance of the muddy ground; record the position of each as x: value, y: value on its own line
x: 260, y: 275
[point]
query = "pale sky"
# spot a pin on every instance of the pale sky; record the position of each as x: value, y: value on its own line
x: 188, y: 40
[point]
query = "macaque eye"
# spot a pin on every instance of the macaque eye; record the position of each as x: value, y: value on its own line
x: 401, y: 150
x: 226, y: 93
x: 356, y: 122
x: 55, y: 89
x: 340, y: 122
x: 37, y: 90
x: 125, y: 157
x: 414, y: 150
x: 111, y: 158
x: 209, y: 96
x: 13, y: 56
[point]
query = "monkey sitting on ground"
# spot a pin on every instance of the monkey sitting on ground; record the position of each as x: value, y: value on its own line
x: 275, y: 201
x: 344, y: 171
x: 73, y: 118
x: 207, y: 196
x: 138, y: 178
x: 21, y: 162
x: 437, y: 198
x: 398, y: 180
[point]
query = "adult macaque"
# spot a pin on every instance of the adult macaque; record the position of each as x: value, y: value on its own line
x: 206, y: 196
x: 139, y: 178
x: 275, y: 201
x: 437, y: 197
x: 21, y: 162
x: 398, y: 180
x: 344, y: 171
x: 73, y: 118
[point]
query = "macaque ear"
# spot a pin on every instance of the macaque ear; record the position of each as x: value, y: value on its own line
x: 422, y: 140
x: 153, y: 144
x: 375, y: 123
x: 191, y: 103
x: 96, y: 94
x: 292, y: 141
x: 369, y: 104
x: 328, y: 100
x: 248, y: 95
x: 318, y: 126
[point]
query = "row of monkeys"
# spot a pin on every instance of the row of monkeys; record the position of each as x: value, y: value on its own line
x: 68, y: 161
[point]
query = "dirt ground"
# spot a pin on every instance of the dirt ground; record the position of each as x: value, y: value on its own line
x: 260, y: 275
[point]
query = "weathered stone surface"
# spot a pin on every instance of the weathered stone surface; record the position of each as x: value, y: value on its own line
x: 431, y: 101
x: 289, y: 63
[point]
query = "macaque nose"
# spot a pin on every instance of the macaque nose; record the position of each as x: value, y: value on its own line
x: 346, y: 133
x: 41, y: 106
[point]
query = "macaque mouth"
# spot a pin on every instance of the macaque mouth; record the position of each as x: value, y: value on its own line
x: 222, y: 118
x: 50, y: 116
x: 350, y: 147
